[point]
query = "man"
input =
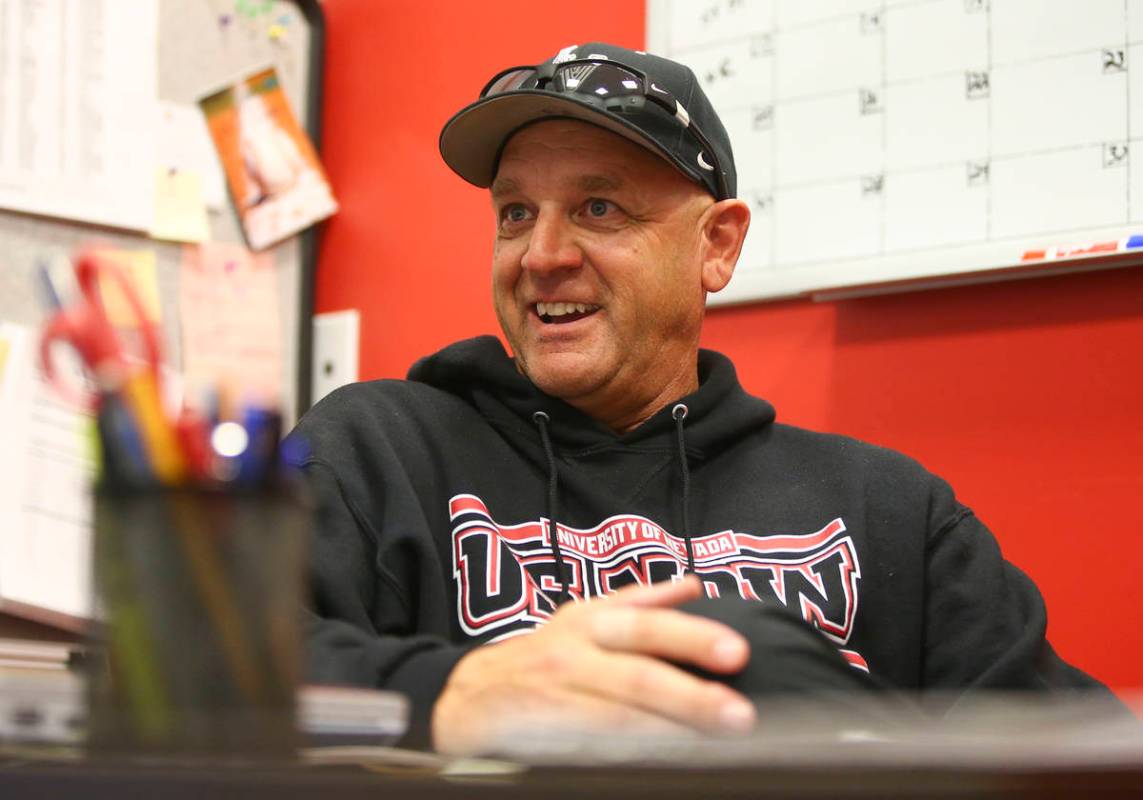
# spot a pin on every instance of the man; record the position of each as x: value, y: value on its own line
x: 610, y: 461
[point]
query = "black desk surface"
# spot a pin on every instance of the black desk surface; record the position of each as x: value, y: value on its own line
x: 120, y: 781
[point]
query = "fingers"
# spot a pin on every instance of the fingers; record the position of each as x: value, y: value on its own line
x: 533, y: 684
x: 579, y: 712
x: 670, y: 634
x: 664, y: 690
x: 605, y: 662
x: 660, y: 595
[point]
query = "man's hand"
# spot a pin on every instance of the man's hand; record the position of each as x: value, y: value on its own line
x: 599, y: 665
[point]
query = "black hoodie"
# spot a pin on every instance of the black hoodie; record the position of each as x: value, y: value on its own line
x: 434, y: 496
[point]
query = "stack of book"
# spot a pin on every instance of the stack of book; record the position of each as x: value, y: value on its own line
x: 20, y: 654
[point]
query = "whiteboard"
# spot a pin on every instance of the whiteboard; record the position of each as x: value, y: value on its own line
x: 905, y: 140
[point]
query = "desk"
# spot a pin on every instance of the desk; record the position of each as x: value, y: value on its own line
x: 98, y: 780
x: 999, y: 746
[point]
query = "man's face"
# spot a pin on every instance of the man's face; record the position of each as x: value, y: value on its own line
x: 596, y: 269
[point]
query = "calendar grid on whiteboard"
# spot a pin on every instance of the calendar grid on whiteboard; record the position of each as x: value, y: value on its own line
x: 897, y: 140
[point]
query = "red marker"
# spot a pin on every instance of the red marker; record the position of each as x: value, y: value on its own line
x: 1086, y: 249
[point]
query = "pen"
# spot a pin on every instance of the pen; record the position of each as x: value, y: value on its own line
x: 197, y: 537
x: 193, y: 434
x: 263, y: 428
x: 124, y: 460
x: 132, y: 647
x: 48, y: 286
x: 1123, y: 245
x: 141, y: 396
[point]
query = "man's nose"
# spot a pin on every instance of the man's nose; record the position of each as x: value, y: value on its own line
x: 552, y: 244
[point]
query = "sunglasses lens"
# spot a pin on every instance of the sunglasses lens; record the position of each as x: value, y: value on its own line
x: 604, y: 82
x: 509, y: 81
x: 600, y: 80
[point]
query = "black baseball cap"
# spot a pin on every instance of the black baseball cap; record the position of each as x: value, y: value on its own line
x: 653, y: 101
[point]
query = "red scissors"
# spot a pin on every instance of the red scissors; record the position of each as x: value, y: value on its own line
x: 119, y: 374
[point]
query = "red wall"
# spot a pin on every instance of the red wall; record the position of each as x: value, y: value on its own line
x: 1025, y: 395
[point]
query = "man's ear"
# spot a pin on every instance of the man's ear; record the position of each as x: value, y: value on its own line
x: 723, y: 233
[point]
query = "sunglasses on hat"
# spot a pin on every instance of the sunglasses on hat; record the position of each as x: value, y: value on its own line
x: 612, y: 87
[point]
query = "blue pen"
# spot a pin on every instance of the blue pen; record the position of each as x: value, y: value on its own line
x: 263, y: 429
x: 124, y: 456
x: 48, y: 285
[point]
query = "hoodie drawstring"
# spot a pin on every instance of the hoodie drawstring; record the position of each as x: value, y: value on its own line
x: 541, y: 420
x: 679, y: 413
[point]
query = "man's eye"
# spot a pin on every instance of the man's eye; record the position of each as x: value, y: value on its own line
x: 514, y: 213
x: 599, y: 208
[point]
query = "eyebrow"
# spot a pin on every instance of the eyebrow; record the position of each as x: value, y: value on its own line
x: 503, y: 186
x: 586, y: 183
x: 598, y: 183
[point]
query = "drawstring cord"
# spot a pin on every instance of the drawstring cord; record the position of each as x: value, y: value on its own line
x: 541, y: 420
x: 679, y: 413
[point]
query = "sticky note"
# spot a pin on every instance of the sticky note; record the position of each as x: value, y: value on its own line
x: 139, y: 267
x: 180, y: 214
x: 4, y: 347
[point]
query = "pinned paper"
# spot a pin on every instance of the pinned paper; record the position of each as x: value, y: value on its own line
x: 139, y: 267
x: 252, y: 8
x: 45, y: 484
x: 232, y: 330
x: 180, y: 214
x: 4, y: 348
x: 277, y: 183
x: 184, y: 145
x: 77, y: 96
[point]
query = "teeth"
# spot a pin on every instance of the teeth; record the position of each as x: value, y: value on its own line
x: 559, y: 308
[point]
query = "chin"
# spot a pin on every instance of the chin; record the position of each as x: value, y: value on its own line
x: 559, y: 378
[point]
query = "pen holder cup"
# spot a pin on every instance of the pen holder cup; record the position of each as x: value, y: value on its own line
x: 199, y: 589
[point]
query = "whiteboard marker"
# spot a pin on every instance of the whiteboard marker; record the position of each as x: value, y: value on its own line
x: 1123, y: 245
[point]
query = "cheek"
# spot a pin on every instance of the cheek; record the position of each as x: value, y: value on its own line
x: 673, y: 293
x: 503, y: 272
x: 505, y: 280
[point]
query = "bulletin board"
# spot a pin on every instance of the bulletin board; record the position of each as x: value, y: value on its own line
x: 891, y: 144
x: 202, y: 45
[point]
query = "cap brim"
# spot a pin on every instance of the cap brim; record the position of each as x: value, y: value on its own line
x: 471, y: 141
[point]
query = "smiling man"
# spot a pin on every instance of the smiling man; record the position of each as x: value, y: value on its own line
x: 602, y: 261
x: 527, y: 536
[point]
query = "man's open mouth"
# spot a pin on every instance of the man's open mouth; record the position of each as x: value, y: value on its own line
x: 558, y: 313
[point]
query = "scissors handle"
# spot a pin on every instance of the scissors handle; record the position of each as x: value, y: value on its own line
x: 63, y: 327
x: 88, y: 270
x: 86, y: 328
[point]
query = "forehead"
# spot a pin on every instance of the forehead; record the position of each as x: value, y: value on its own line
x: 571, y: 147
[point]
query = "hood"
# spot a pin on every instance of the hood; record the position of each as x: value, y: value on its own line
x: 481, y: 373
